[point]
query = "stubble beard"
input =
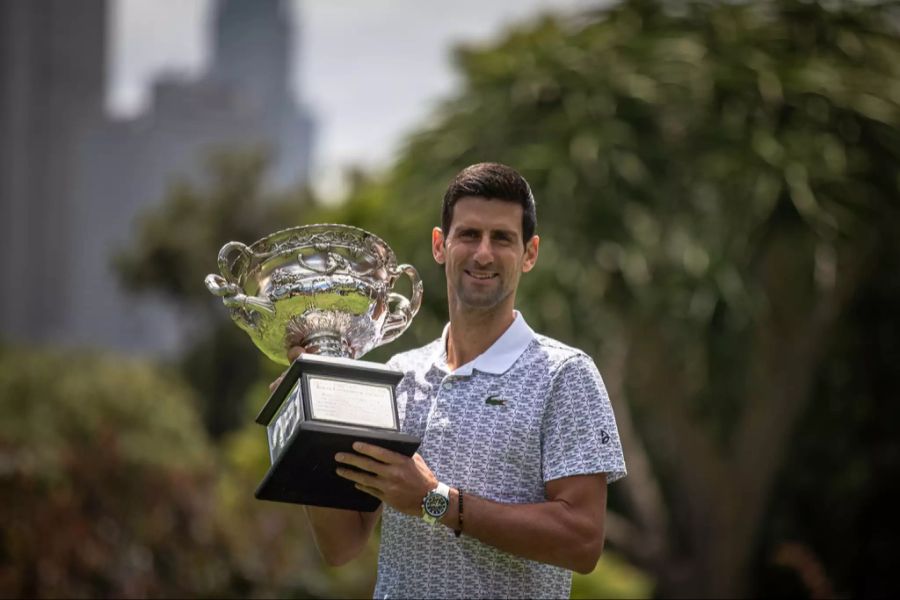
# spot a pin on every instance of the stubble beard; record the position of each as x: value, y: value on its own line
x: 480, y: 300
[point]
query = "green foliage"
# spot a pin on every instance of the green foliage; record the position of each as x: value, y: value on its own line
x: 104, y: 478
x: 111, y: 488
x: 52, y: 402
x: 659, y: 145
x: 613, y: 578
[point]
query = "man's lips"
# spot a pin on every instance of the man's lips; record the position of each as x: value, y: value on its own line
x: 481, y: 276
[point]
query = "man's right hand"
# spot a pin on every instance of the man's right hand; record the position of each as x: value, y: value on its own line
x: 293, y: 353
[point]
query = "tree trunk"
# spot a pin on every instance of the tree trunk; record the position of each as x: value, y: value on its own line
x: 700, y: 541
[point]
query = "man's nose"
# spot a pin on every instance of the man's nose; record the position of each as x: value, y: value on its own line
x: 484, y: 254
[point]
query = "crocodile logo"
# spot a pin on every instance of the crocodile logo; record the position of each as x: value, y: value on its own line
x: 495, y: 401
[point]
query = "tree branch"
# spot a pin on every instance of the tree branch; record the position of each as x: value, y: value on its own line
x: 641, y: 486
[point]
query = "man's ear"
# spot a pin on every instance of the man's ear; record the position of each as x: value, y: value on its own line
x: 531, y: 253
x: 437, y: 245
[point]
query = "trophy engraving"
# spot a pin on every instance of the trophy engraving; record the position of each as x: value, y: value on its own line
x: 328, y: 288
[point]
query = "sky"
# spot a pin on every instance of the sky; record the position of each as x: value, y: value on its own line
x: 371, y: 71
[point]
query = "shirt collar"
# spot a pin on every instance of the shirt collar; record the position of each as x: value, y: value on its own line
x: 500, y: 356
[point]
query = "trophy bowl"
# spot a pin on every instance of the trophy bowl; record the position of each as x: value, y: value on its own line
x: 325, y: 287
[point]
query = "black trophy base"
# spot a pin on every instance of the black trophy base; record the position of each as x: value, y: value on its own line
x: 304, y: 472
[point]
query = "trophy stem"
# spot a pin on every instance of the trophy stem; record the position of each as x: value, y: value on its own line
x: 328, y: 344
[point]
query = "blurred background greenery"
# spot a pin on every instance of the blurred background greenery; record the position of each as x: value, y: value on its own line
x: 717, y: 188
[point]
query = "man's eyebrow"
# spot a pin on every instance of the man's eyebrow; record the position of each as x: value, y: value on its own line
x: 492, y: 231
x: 464, y: 229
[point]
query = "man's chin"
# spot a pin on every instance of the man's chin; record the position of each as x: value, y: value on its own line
x: 480, y: 301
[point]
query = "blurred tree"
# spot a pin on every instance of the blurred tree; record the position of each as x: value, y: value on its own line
x: 111, y: 488
x: 836, y: 489
x: 176, y: 247
x: 105, y: 480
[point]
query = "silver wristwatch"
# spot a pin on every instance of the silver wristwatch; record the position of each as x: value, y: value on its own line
x: 435, y: 503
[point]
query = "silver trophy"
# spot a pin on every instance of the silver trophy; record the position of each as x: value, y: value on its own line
x: 328, y: 288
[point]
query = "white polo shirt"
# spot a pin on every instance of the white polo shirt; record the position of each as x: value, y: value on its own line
x: 528, y: 410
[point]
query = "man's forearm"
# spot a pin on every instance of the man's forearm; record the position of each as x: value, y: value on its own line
x: 340, y: 535
x: 553, y: 532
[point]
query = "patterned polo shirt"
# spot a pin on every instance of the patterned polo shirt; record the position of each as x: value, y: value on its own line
x: 527, y: 411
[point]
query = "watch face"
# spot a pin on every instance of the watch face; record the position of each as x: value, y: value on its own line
x: 435, y: 504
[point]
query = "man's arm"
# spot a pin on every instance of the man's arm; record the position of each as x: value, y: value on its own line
x: 566, y: 530
x: 341, y: 534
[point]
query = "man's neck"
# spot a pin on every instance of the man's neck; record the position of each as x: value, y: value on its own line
x: 473, y: 332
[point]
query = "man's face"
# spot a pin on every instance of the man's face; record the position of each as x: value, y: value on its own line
x: 483, y: 253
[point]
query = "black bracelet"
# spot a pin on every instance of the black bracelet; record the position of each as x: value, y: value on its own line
x: 457, y: 532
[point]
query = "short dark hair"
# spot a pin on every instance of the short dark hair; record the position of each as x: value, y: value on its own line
x: 491, y: 181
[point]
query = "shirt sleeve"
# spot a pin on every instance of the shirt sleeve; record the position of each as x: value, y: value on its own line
x: 578, y: 433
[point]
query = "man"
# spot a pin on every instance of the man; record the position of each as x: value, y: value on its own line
x: 507, y: 493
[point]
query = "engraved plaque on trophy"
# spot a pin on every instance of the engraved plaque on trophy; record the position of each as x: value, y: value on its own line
x: 327, y: 288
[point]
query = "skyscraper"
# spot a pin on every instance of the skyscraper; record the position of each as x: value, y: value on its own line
x: 73, y: 180
x: 52, y: 63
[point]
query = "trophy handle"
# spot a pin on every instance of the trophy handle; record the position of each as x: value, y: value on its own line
x: 233, y: 297
x: 404, y: 310
x: 226, y: 263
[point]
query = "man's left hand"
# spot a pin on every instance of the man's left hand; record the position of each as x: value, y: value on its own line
x: 396, y: 479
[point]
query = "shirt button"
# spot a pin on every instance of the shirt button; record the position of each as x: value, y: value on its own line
x: 448, y: 386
